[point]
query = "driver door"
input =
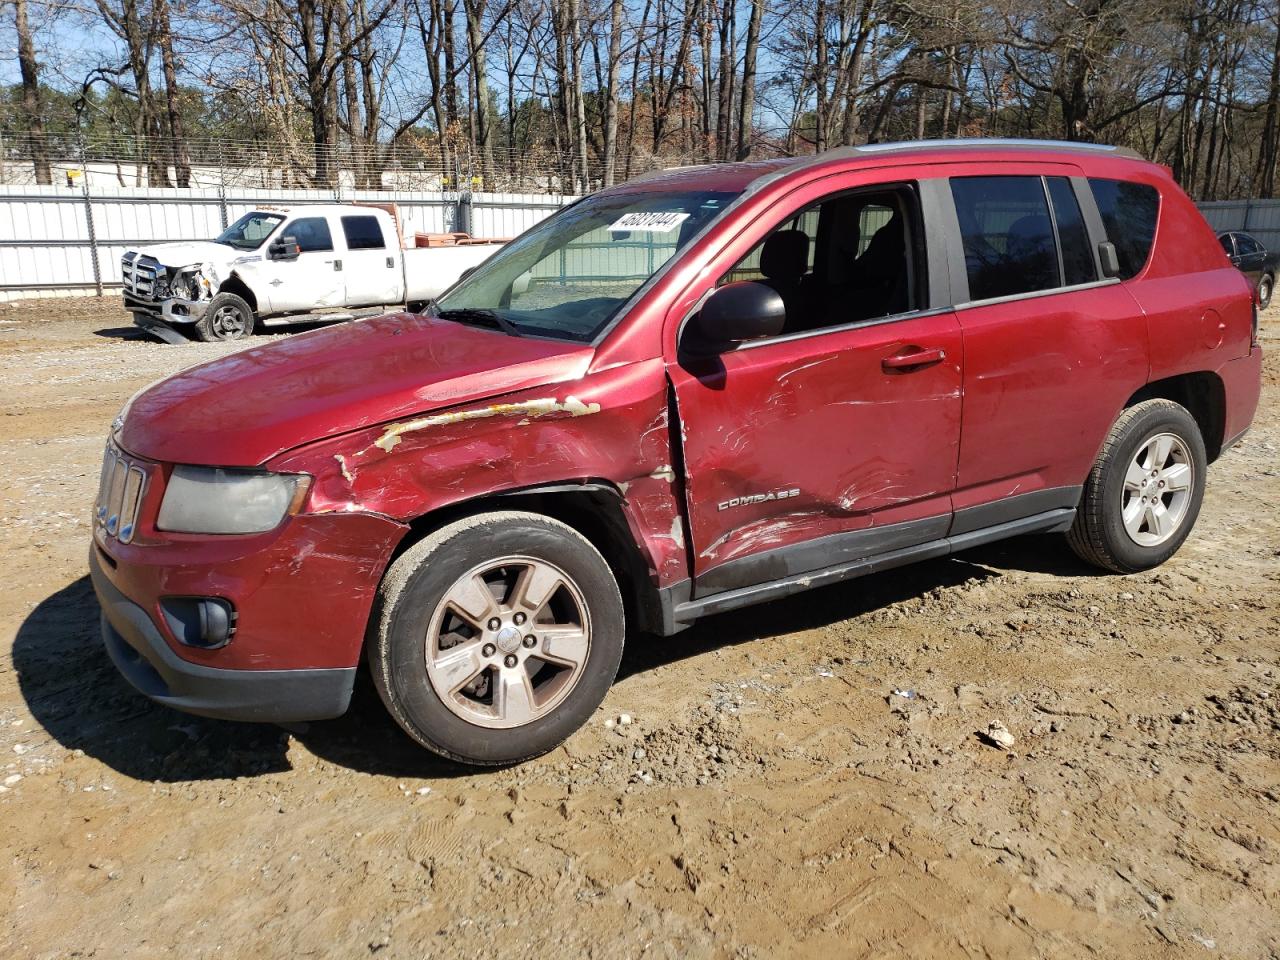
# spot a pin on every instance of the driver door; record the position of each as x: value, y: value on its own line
x: 838, y: 439
x: 313, y: 280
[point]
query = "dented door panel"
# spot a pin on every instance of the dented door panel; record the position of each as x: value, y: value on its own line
x: 810, y: 437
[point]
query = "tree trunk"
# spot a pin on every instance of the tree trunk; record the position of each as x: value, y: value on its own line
x: 611, y: 91
x: 31, y: 108
x: 177, y: 134
x: 474, y: 10
x: 747, y: 102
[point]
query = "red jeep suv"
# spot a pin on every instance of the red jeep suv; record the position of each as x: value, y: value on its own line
x: 702, y: 389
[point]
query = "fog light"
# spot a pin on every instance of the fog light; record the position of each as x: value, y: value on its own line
x: 206, y: 622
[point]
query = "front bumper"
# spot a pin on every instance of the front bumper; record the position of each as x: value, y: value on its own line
x: 173, y: 310
x: 142, y: 655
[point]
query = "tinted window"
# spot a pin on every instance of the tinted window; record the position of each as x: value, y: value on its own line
x: 1073, y: 239
x: 1007, y: 235
x: 1129, y: 216
x: 362, y: 233
x: 1247, y: 245
x: 312, y: 234
x: 1225, y: 240
x: 846, y: 259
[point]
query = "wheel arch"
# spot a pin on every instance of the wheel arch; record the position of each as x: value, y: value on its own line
x: 235, y: 284
x: 1205, y: 397
x: 594, y: 508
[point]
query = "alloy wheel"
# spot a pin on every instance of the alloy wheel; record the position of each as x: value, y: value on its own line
x: 1157, y: 490
x: 508, y: 642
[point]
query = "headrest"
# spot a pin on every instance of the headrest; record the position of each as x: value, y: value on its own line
x: 785, y: 255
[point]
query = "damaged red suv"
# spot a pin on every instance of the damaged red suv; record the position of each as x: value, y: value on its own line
x: 700, y: 390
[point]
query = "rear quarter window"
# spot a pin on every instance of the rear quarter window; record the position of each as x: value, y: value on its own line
x: 1129, y: 212
x: 362, y: 233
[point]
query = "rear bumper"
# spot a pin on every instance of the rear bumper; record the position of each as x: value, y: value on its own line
x: 1242, y: 383
x: 141, y: 654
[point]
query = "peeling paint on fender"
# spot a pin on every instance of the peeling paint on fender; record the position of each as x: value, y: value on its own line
x: 529, y: 409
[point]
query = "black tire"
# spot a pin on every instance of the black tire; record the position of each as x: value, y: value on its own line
x: 414, y: 589
x: 227, y: 317
x: 1266, y: 287
x: 1098, y: 535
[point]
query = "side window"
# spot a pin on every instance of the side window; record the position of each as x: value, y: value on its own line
x: 1007, y: 235
x: 1129, y: 215
x: 362, y: 233
x: 1073, y: 238
x: 1227, y: 246
x: 847, y: 259
x: 312, y: 234
x: 1247, y: 245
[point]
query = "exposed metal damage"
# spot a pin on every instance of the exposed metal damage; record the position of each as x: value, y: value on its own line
x: 528, y: 409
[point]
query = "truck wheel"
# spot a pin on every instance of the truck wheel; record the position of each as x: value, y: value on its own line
x: 228, y: 317
x: 1144, y: 492
x: 1266, y: 286
x: 496, y: 637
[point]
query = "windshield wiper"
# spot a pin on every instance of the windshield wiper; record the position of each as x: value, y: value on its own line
x: 479, y: 318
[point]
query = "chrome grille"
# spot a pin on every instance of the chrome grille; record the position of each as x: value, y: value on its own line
x: 120, y: 491
x: 138, y: 274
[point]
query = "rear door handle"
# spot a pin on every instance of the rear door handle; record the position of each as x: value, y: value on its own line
x: 914, y: 358
x: 337, y: 265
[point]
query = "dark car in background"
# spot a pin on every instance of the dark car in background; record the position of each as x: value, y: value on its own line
x: 1254, y: 261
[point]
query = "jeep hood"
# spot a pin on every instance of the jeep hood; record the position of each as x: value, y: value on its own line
x: 186, y: 253
x: 244, y: 409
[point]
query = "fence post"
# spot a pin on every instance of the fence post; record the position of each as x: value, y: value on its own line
x: 1248, y: 209
x: 222, y: 185
x: 462, y: 220
x: 88, y: 214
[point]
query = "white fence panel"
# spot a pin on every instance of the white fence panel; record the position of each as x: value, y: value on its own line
x: 49, y: 240
x: 1258, y: 218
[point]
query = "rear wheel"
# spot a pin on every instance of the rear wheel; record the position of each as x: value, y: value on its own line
x: 1144, y: 492
x: 227, y: 317
x: 1266, y: 286
x: 497, y: 637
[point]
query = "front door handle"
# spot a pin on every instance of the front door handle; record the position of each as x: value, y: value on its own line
x: 913, y: 358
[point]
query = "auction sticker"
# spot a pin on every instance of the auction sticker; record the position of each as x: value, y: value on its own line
x: 657, y: 222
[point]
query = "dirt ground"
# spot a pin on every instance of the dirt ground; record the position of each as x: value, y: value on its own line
x: 772, y: 795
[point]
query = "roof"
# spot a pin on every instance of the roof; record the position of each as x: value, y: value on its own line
x: 740, y: 176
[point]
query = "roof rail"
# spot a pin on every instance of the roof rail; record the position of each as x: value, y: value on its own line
x: 978, y: 143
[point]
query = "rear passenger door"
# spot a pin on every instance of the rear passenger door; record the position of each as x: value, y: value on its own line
x: 372, y: 261
x: 1052, y: 350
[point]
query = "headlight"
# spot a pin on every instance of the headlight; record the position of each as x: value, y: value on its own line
x: 195, y: 282
x: 214, y: 500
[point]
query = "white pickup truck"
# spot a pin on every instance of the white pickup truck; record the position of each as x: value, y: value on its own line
x: 280, y: 265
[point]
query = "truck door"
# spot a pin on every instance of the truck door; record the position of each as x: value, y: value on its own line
x: 838, y: 439
x: 372, y: 264
x: 311, y: 281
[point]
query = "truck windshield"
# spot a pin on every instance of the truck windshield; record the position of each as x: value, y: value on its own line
x: 571, y: 274
x: 249, y: 231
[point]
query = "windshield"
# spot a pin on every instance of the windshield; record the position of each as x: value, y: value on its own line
x: 249, y: 231
x: 571, y: 274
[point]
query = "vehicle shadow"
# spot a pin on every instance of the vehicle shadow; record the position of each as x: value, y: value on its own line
x: 75, y: 693
x: 125, y: 333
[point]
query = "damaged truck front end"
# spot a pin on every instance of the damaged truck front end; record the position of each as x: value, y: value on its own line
x: 165, y: 299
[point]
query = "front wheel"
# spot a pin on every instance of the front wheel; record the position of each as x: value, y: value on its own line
x: 1144, y: 492
x: 1266, y: 286
x: 227, y: 317
x: 497, y: 636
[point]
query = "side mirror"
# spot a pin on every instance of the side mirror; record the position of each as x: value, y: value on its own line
x: 1110, y: 260
x: 286, y: 248
x: 733, y: 314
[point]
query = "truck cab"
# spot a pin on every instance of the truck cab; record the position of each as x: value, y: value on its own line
x: 281, y: 265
